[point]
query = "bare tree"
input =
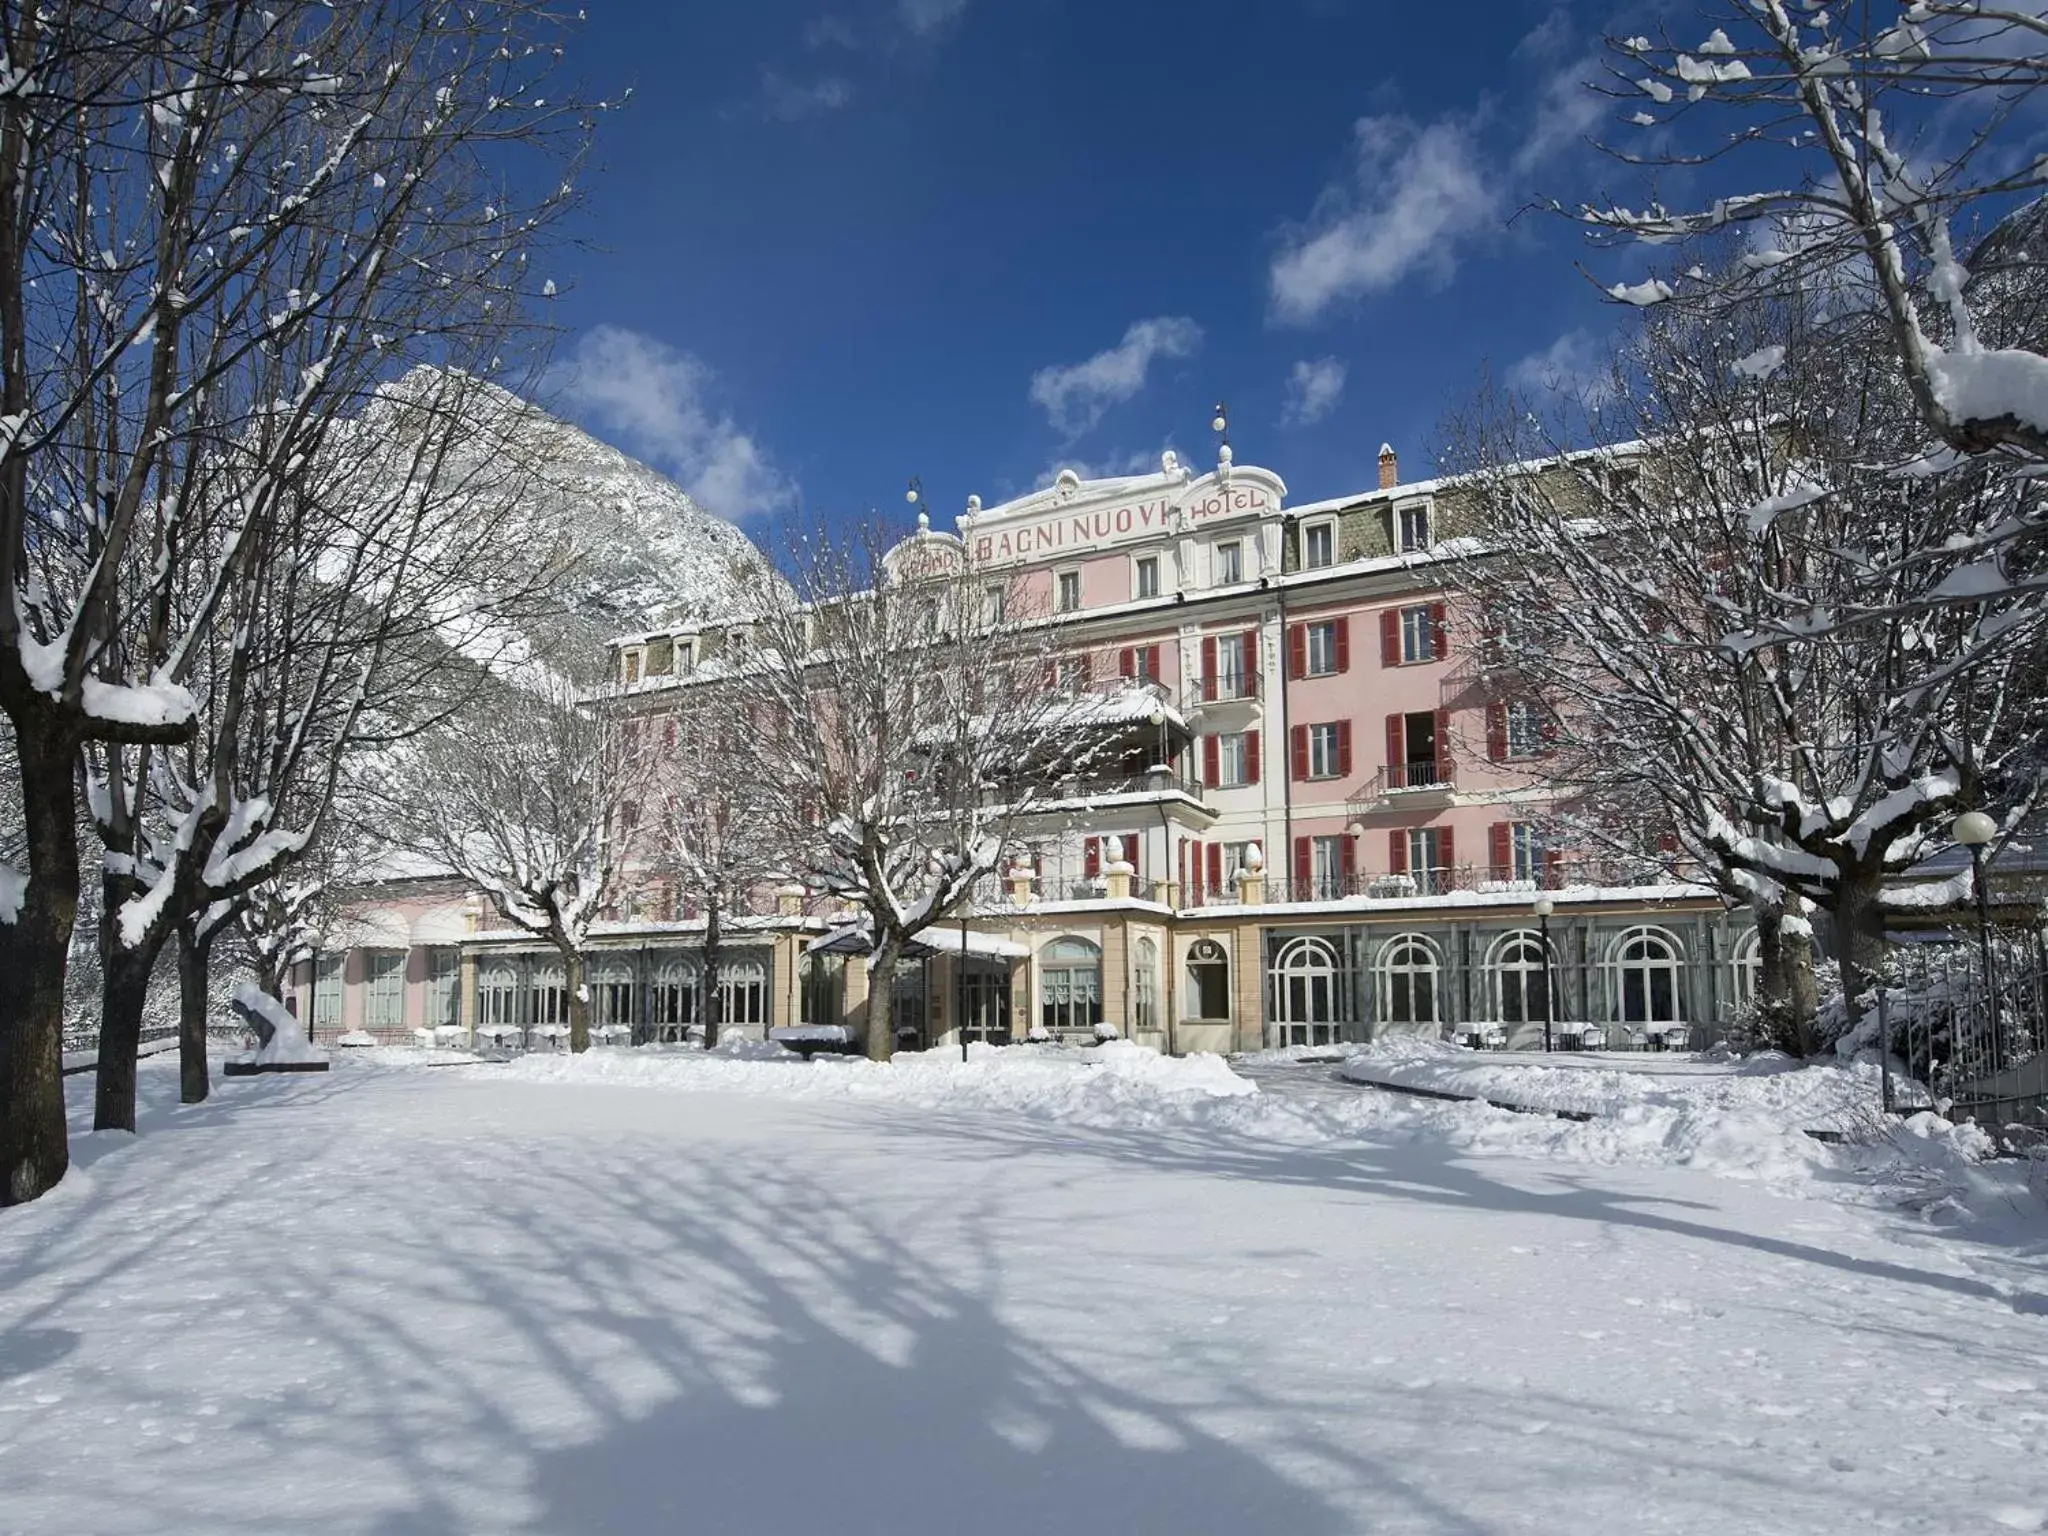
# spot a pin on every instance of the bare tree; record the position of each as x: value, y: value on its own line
x: 700, y: 831
x: 905, y: 726
x: 1879, y: 140
x: 530, y: 796
x: 1723, y: 627
x: 218, y: 226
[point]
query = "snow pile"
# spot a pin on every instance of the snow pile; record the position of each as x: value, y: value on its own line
x: 287, y: 1042
x: 1113, y: 1084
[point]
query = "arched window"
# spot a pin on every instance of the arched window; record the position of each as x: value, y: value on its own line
x: 821, y: 990
x: 672, y: 1000
x: 611, y: 994
x: 550, y: 998
x: 1646, y: 977
x: 497, y: 997
x: 1519, y: 979
x: 742, y: 992
x: 1748, y: 965
x: 1408, y: 980
x: 1070, y: 987
x: 1145, y: 985
x: 1307, y: 993
x: 1208, y: 980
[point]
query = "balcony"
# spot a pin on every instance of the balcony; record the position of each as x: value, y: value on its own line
x: 1481, y: 879
x: 1430, y: 781
x: 1223, y: 688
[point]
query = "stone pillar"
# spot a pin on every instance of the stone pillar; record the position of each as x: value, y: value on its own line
x: 1021, y: 877
x: 465, y: 998
x: 1251, y: 886
x: 789, y: 900
x: 1248, y: 988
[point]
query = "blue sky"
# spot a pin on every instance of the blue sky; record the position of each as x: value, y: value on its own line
x: 842, y: 242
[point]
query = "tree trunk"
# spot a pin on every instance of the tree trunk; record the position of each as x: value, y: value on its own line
x: 882, y: 1000
x: 1859, y: 941
x: 34, y: 948
x: 124, y: 989
x: 579, y: 1001
x: 1802, y: 1000
x: 714, y: 994
x: 195, y: 955
x: 1773, y: 986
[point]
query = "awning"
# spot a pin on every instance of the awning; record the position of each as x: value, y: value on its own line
x: 853, y: 940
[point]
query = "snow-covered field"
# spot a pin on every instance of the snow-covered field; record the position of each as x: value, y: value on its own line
x: 1079, y: 1293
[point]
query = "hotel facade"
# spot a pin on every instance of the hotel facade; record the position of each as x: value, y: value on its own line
x: 1324, y: 821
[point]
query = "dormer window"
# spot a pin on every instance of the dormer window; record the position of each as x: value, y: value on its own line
x: 661, y: 657
x: 1229, y: 563
x: 1319, y: 545
x: 1411, y: 528
x: 632, y: 668
x: 686, y: 656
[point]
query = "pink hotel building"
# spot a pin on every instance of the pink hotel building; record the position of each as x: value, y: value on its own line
x: 1320, y: 825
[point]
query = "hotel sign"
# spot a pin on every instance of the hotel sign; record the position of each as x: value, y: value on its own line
x: 1080, y: 532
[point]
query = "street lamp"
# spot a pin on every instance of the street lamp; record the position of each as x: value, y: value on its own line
x: 1974, y: 829
x: 1544, y: 907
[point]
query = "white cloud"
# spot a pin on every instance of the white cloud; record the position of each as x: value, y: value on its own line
x: 927, y: 16
x: 1312, y: 390
x: 789, y: 101
x: 1075, y: 396
x: 1575, y: 366
x: 830, y: 32
x: 653, y: 400
x: 1415, y: 193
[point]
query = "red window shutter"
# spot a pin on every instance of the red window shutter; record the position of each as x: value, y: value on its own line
x: 1131, y: 846
x: 1297, y: 746
x: 1347, y: 860
x: 1397, y: 851
x: 1342, y: 625
x: 1152, y: 662
x: 1397, y: 748
x: 1390, y: 637
x: 1209, y: 667
x: 1304, y: 866
x: 1248, y: 656
x: 1439, y: 631
x: 1667, y: 842
x: 1443, y: 739
x: 1216, y: 866
x: 1251, y: 757
x: 1127, y: 662
x: 1297, y: 650
x: 1343, y: 749
x: 1446, y: 848
x: 1211, y: 766
x: 1052, y: 672
x: 1500, y: 852
x: 1497, y: 732
x: 1553, y: 865
x: 1091, y: 857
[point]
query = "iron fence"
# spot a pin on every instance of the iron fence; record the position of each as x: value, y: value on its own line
x: 1967, y: 1015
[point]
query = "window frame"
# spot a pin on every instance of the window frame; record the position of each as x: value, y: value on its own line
x: 1527, y: 742
x: 1327, y: 528
x: 1418, y: 621
x: 1060, y: 580
x: 1225, y: 779
x: 1141, y: 567
x: 1326, y: 629
x: 1229, y: 551
x: 1325, y: 741
x: 1423, y: 513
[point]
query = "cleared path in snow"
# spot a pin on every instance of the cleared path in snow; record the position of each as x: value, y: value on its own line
x: 397, y: 1300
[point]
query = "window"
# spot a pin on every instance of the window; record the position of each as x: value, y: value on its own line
x: 632, y: 666
x: 1408, y: 981
x: 611, y: 994
x: 1748, y: 964
x: 327, y: 981
x: 444, y: 980
x: 550, y: 998
x: 1646, y: 977
x: 1427, y: 858
x: 1523, y: 728
x: 1069, y: 591
x: 672, y: 1001
x: 1145, y: 985
x: 988, y: 1001
x: 1324, y: 761
x: 1232, y: 677
x: 1520, y: 981
x: 995, y: 606
x: 497, y: 998
x: 1232, y: 760
x: 1525, y: 851
x: 742, y: 993
x: 1411, y: 529
x: 1070, y: 987
x: 1415, y: 752
x: 1419, y: 633
x: 1623, y: 479
x: 383, y: 991
x: 1229, y: 563
x: 686, y: 656
x: 820, y: 979
x: 1319, y: 545
x: 1073, y: 673
x: 1328, y: 867
x: 1321, y: 654
x: 1208, y: 980
x: 1145, y: 577
x: 1235, y: 857
x: 1307, y: 1001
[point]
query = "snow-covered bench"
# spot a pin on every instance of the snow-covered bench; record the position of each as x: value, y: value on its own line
x: 809, y: 1040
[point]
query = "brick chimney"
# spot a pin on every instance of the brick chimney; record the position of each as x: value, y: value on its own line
x: 1390, y: 467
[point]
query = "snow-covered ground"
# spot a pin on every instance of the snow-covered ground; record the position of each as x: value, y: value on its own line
x: 1079, y: 1293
